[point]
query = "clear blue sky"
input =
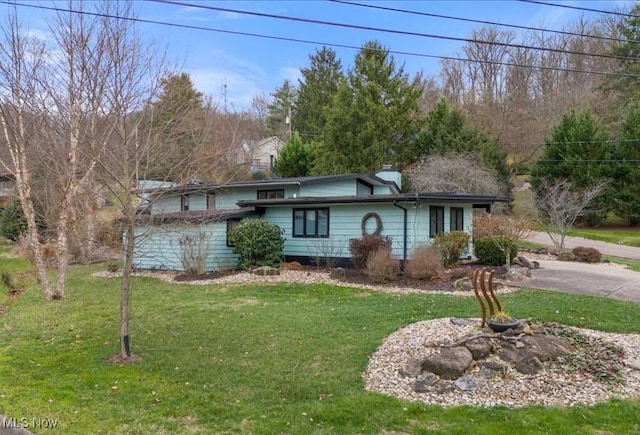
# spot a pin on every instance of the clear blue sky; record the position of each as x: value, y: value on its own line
x: 250, y: 66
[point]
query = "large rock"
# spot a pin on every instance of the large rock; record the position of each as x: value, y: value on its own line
x: 517, y: 273
x: 546, y: 347
x: 467, y: 383
x: 450, y: 363
x: 424, y: 382
x: 463, y: 284
x: 412, y: 369
x: 266, y: 271
x: 528, y: 365
x: 479, y: 347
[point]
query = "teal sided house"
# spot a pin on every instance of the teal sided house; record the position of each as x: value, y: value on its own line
x: 318, y: 216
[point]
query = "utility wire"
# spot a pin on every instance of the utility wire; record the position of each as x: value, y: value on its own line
x: 319, y: 43
x: 392, y: 31
x: 470, y: 20
x: 580, y: 8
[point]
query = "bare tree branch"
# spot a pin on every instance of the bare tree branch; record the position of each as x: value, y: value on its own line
x: 558, y: 205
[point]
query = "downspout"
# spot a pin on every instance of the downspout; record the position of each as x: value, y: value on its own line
x: 404, y: 230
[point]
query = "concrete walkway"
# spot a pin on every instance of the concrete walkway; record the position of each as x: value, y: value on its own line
x: 605, y: 280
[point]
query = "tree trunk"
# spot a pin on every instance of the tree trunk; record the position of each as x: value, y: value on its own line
x: 34, y: 242
x: 125, y: 293
x: 63, y: 249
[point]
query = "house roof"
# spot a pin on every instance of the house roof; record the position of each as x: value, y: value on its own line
x: 193, y: 217
x: 450, y: 197
x: 370, y: 178
x: 293, y: 181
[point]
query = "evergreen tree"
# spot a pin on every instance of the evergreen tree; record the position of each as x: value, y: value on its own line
x: 295, y: 158
x: 279, y: 119
x: 577, y: 152
x: 625, y: 182
x: 316, y: 89
x: 627, y: 86
x: 447, y: 132
x: 177, y: 118
x: 373, y: 119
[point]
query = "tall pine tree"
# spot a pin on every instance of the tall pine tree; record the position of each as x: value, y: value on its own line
x: 177, y: 119
x: 373, y: 119
x: 317, y: 87
x: 280, y: 109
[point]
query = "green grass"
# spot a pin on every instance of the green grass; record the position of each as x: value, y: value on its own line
x: 257, y: 359
x: 624, y: 236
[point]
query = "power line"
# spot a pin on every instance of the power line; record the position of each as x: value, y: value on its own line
x: 319, y: 43
x: 581, y: 8
x: 470, y: 20
x: 392, y: 31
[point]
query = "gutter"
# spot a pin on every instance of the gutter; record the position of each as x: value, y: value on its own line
x: 404, y: 230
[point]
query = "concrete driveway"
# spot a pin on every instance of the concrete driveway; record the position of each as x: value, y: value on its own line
x: 606, y: 280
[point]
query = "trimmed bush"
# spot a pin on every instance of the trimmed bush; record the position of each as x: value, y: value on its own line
x: 258, y: 242
x: 362, y: 248
x: 488, y: 253
x: 451, y: 245
x: 425, y: 263
x: 382, y: 266
x: 588, y: 255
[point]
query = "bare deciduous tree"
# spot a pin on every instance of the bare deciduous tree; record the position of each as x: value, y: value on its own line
x: 504, y: 231
x: 20, y: 61
x: 558, y: 205
x: 452, y: 173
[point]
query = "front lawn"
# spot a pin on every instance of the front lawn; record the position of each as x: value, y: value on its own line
x: 624, y: 236
x: 257, y: 359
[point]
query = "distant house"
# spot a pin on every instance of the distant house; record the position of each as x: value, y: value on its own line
x: 260, y: 154
x: 318, y: 215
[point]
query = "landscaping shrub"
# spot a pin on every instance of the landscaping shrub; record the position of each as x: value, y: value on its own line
x: 194, y: 250
x: 258, y: 242
x: 588, y: 255
x: 362, y: 248
x: 382, y: 266
x: 425, y: 263
x: 487, y: 252
x: 451, y: 245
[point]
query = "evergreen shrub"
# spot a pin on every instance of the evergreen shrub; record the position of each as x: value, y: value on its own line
x: 488, y: 253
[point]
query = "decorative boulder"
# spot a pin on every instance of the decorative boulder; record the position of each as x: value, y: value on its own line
x: 424, y: 382
x: 518, y: 274
x: 450, y: 363
x: 546, y: 347
x: 479, y: 347
x: 293, y: 265
x: 266, y: 271
x: 413, y: 368
x: 463, y: 284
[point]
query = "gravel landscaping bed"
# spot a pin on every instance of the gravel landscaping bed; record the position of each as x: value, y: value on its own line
x: 553, y: 386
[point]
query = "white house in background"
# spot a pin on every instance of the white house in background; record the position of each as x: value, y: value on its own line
x: 259, y: 154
